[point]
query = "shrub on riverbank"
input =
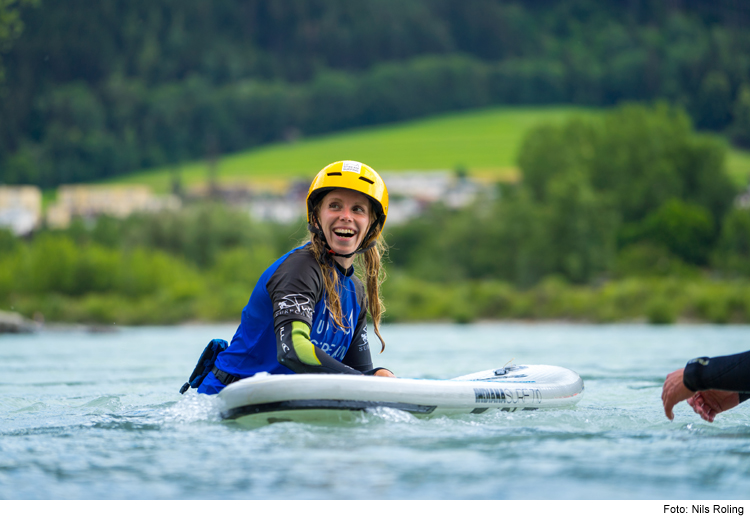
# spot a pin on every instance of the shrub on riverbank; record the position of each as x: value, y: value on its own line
x: 651, y: 300
x: 67, y: 278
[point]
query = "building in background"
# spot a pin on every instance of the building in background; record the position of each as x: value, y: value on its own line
x: 410, y: 193
x: 88, y: 201
x: 283, y: 202
x: 20, y: 208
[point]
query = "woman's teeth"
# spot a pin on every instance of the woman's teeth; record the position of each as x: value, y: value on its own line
x: 344, y: 232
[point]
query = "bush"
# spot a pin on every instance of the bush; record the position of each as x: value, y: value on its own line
x: 732, y: 254
x: 661, y: 311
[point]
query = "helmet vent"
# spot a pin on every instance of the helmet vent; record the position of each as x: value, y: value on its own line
x: 333, y: 174
x: 367, y: 180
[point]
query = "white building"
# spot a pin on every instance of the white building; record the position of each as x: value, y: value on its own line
x: 20, y: 208
x: 409, y: 192
x: 90, y: 201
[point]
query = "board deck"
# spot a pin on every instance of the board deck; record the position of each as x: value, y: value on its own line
x: 312, y: 397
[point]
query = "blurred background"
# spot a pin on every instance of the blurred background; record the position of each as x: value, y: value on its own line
x: 576, y: 160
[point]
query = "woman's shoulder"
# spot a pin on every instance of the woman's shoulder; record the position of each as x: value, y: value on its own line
x: 302, y: 257
x: 359, y: 287
x: 357, y: 281
x: 298, y: 265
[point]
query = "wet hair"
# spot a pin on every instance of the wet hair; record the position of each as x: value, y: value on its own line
x: 371, y: 273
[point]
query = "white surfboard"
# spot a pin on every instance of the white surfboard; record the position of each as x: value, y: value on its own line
x: 311, y: 397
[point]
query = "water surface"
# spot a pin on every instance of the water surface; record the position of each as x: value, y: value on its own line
x: 98, y: 416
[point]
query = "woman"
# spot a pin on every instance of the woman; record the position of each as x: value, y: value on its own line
x: 308, y: 311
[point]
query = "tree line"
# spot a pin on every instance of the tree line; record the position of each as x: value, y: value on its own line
x: 200, y: 262
x: 94, y: 90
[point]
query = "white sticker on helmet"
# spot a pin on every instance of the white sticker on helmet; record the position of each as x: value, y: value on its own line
x: 352, y: 166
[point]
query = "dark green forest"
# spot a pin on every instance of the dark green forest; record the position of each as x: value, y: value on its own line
x: 91, y: 90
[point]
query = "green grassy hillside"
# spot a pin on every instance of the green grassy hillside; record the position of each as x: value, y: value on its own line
x: 485, y: 142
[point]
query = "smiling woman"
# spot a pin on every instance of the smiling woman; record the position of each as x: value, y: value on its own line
x: 344, y: 218
x: 308, y: 311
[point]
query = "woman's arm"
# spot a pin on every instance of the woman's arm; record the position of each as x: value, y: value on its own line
x: 296, y: 352
x: 358, y: 356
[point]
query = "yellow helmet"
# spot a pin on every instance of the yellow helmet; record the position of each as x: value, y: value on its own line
x: 350, y: 175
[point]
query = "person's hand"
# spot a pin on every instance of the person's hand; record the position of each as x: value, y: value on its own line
x: 384, y: 373
x: 673, y: 392
x: 711, y: 402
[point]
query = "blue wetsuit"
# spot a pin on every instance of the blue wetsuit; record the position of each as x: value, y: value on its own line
x: 289, y: 292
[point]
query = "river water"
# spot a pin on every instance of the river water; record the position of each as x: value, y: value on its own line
x: 98, y: 416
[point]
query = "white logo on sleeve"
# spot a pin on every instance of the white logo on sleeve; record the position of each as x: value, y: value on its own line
x: 363, y: 345
x: 295, y: 303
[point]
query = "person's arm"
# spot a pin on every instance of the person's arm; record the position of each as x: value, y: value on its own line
x: 727, y: 373
x: 297, y: 352
x: 358, y: 356
x: 294, y: 289
x: 709, y: 376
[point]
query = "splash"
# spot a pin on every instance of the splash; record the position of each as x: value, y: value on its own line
x: 194, y: 407
x: 390, y: 414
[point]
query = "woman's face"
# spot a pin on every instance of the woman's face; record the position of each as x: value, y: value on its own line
x: 344, y: 219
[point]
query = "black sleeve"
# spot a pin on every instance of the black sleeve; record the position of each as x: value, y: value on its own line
x: 295, y: 288
x: 287, y: 355
x: 358, y: 356
x: 729, y: 373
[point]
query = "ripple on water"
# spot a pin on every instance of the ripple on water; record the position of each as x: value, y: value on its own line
x: 33, y: 408
x: 107, y: 403
x: 130, y: 435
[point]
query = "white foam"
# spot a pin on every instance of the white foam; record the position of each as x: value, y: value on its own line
x: 194, y: 407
